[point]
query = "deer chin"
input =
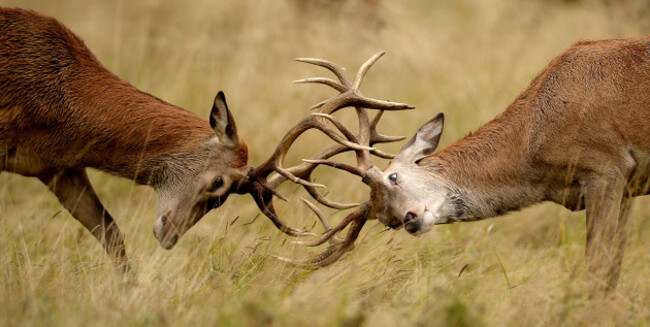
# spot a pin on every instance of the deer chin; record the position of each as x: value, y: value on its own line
x: 166, y: 237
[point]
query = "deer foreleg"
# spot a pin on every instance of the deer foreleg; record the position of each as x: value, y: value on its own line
x: 77, y: 195
x: 620, y: 238
x: 603, y: 200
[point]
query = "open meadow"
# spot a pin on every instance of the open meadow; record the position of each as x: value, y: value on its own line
x: 468, y: 59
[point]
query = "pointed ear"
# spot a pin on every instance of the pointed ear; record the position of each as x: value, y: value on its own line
x: 222, y: 122
x: 424, y: 142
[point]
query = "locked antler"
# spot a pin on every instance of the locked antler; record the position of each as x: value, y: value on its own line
x: 361, y: 144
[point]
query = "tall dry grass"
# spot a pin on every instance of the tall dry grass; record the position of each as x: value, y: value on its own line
x: 469, y: 59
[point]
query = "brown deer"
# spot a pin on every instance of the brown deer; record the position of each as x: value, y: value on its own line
x: 577, y: 136
x: 61, y: 112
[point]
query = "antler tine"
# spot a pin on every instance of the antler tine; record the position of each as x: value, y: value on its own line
x: 383, y: 155
x: 322, y: 80
x: 365, y: 67
x: 338, y: 165
x: 376, y: 137
x: 367, y: 130
x: 338, y: 71
x: 355, y: 142
x: 346, y: 85
x: 305, y: 170
x: 368, y: 135
x: 369, y: 103
x: 327, y: 202
x: 349, y: 141
x: 318, y: 105
x: 284, y: 172
x: 361, y: 142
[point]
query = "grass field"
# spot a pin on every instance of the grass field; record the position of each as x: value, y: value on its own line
x: 468, y: 59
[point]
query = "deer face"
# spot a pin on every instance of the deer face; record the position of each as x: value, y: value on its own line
x: 218, y: 170
x: 408, y: 194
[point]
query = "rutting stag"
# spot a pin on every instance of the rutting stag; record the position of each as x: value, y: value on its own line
x: 577, y: 136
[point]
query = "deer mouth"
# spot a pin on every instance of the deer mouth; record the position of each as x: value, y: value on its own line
x: 167, y: 229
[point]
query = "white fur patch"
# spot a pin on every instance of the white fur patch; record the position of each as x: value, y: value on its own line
x: 428, y: 218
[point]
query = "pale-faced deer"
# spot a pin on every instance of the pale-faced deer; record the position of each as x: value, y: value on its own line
x: 578, y: 136
x: 61, y: 112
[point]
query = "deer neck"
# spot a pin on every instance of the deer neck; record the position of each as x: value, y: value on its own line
x: 488, y: 172
x: 132, y: 134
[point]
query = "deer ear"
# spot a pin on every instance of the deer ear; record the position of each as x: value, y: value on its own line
x: 424, y: 142
x: 222, y: 121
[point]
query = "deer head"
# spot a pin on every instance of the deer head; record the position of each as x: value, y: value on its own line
x: 209, y: 175
x: 408, y: 192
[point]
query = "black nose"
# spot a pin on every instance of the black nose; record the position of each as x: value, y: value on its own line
x: 412, y: 227
x: 409, y: 216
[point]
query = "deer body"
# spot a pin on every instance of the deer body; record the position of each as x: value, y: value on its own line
x: 578, y: 136
x: 584, y: 117
x: 61, y: 111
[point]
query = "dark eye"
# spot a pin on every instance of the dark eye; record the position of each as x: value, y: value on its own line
x: 218, y: 183
x: 393, y: 178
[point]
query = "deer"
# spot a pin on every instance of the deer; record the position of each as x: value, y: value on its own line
x: 577, y: 136
x: 62, y: 112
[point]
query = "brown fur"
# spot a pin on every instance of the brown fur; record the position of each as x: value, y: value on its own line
x: 586, y: 112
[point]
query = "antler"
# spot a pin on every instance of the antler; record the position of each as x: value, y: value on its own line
x: 263, y: 189
x: 361, y: 144
x: 349, y: 96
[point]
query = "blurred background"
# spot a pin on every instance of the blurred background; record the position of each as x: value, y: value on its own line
x: 468, y: 59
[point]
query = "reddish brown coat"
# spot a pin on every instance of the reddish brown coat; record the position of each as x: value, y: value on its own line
x: 61, y: 111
